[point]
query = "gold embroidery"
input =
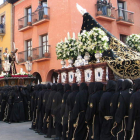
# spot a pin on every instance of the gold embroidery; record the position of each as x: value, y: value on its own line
x: 91, y: 105
x: 118, y: 104
x: 62, y: 101
x: 131, y: 105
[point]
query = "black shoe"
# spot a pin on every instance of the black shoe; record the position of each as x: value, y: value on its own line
x: 41, y: 133
x: 9, y: 122
x: 31, y: 128
x: 47, y: 136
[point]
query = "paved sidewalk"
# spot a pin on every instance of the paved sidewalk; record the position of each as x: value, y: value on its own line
x: 18, y: 131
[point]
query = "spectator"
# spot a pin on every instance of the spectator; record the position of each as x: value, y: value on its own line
x: 104, y: 7
x: 99, y: 5
x: 109, y: 8
x: 40, y: 11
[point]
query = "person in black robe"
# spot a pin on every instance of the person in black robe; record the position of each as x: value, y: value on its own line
x: 79, y: 111
x: 134, y: 112
x: 106, y: 119
x: 48, y: 112
x: 17, y: 114
x: 67, y: 90
x: 56, y: 107
x: 33, y: 108
x: 45, y: 99
x: 70, y: 106
x: 92, y: 114
x: 121, y: 116
x: 41, y: 109
x: 0, y: 103
x: 91, y: 92
x: 114, y: 104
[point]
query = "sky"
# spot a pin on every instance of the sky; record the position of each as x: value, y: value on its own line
x: 1, y: 1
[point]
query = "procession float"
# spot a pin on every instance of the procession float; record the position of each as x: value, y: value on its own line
x: 97, y: 55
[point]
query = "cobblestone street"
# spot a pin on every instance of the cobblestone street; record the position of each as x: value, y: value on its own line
x: 18, y: 131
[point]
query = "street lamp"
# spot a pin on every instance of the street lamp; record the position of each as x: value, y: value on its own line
x: 28, y: 66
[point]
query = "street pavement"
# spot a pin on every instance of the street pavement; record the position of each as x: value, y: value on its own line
x: 18, y: 131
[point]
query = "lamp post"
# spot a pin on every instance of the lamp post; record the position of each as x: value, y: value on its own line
x: 28, y: 66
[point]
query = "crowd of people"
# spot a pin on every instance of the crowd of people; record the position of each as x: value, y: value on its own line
x: 105, y: 7
x: 76, y: 112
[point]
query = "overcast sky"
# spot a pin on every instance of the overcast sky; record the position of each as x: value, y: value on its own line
x: 1, y: 1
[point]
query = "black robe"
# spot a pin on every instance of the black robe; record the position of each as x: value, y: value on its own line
x: 114, y: 105
x: 134, y: 113
x: 104, y: 111
x: 92, y: 114
x: 56, y: 107
x: 48, y: 111
x: 67, y: 90
x: 121, y: 116
x: 70, y: 106
x: 80, y: 132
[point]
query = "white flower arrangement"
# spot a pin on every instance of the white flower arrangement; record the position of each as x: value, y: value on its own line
x: 93, y: 41
x: 67, y: 49
x: 133, y: 41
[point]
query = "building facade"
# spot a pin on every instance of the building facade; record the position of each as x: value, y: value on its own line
x: 6, y: 30
x: 37, y: 30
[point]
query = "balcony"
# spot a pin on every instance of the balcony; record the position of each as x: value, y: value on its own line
x: 2, y: 31
x: 36, y: 54
x: 105, y: 12
x: 41, y: 53
x: 125, y: 17
x: 41, y: 16
x: 25, y: 23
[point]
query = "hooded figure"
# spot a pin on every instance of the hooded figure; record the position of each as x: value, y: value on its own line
x: 70, y: 106
x: 79, y: 111
x: 134, y: 112
x: 121, y: 116
x: 17, y: 114
x: 56, y: 107
x: 48, y: 112
x: 106, y: 119
x: 67, y: 90
x: 92, y: 114
x: 41, y: 107
x: 114, y: 104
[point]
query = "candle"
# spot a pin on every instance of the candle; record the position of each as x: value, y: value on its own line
x: 73, y: 35
x: 68, y: 35
x: 65, y: 39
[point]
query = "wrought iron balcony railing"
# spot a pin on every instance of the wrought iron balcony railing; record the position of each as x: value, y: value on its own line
x: 124, y: 15
x: 41, y: 52
x: 41, y: 14
x: 34, y: 54
x: 105, y: 10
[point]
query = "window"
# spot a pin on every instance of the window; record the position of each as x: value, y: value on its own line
x: 123, y: 38
x: 29, y: 14
x: 44, y: 43
x: 121, y: 9
x: 44, y: 4
x: 3, y: 19
x: 29, y: 47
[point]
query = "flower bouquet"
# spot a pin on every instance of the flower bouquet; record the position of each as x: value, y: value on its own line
x: 133, y: 41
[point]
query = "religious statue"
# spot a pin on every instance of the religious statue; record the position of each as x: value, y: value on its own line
x: 6, y: 55
x: 12, y: 60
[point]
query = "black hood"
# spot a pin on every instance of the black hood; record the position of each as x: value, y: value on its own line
x: 39, y: 87
x: 127, y: 84
x: 91, y: 87
x: 54, y: 87
x: 67, y: 87
x: 60, y: 87
x: 83, y: 86
x: 119, y: 84
x: 28, y: 88
x: 137, y: 84
x: 49, y: 85
x: 98, y: 86
x: 111, y: 85
x: 74, y: 87
x: 44, y: 86
x: 16, y: 88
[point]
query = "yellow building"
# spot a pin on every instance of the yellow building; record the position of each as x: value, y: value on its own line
x: 6, y: 37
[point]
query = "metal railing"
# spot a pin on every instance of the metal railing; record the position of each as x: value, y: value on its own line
x: 105, y: 10
x: 125, y: 15
x: 34, y: 54
x: 40, y: 14
x: 41, y: 52
x: 2, y: 29
x: 25, y: 21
